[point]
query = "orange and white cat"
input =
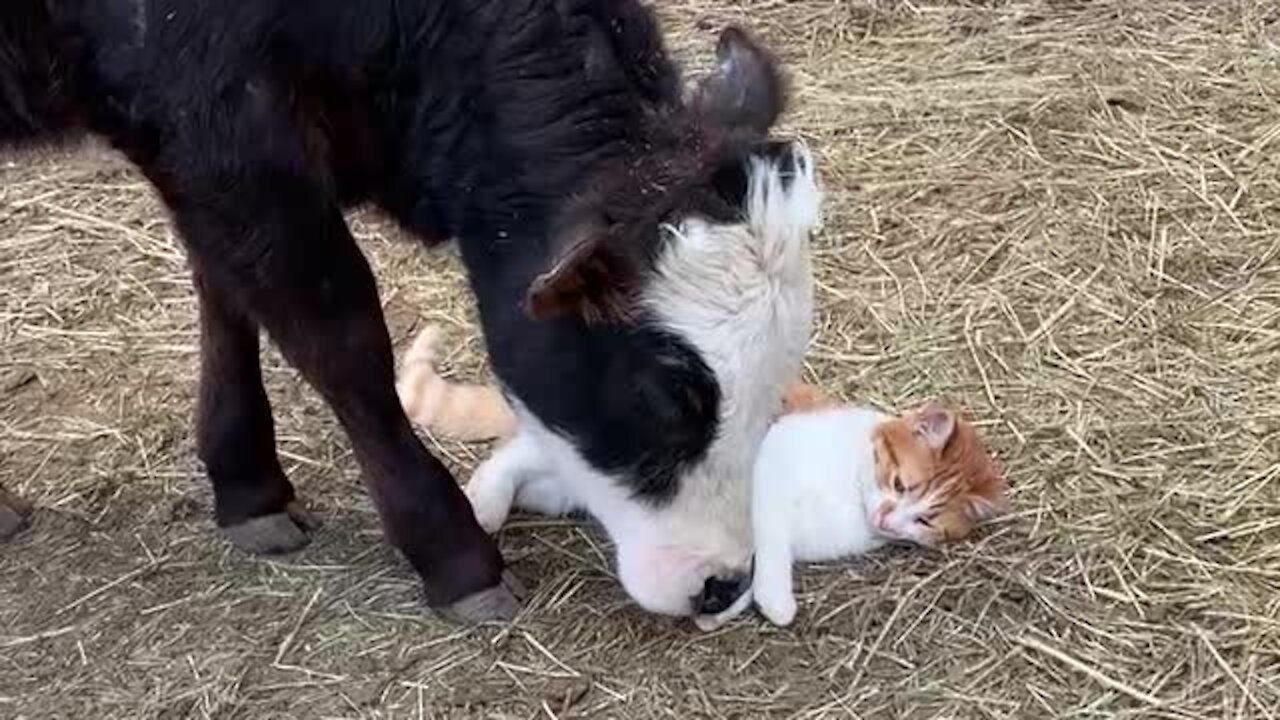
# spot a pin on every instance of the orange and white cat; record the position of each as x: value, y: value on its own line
x: 830, y: 481
x: 834, y: 481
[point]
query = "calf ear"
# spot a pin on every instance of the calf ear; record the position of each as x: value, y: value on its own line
x: 746, y: 91
x: 587, y: 278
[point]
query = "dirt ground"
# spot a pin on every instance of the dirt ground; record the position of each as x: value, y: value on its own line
x: 1063, y: 215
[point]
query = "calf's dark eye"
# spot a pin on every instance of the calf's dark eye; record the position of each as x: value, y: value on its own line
x: 730, y: 184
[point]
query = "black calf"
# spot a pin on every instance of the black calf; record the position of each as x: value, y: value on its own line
x: 548, y: 136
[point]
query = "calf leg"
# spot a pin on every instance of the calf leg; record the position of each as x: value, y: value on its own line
x: 332, y: 329
x: 253, y: 501
x: 258, y: 215
x: 280, y: 256
x: 13, y: 514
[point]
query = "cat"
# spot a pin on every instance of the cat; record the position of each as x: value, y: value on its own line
x: 833, y: 481
x: 830, y: 480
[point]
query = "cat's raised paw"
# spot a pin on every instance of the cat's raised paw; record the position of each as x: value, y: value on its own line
x: 490, y: 501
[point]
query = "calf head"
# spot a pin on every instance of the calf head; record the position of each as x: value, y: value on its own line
x: 698, y: 240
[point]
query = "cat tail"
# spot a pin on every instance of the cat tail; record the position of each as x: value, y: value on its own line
x: 459, y: 411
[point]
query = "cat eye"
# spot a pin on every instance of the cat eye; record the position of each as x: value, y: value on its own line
x: 897, y: 484
x: 925, y: 522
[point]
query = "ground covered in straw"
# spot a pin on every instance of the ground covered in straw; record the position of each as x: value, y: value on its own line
x: 1064, y: 215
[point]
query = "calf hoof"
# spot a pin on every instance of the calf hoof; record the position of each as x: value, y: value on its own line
x: 499, y: 603
x: 274, y: 534
x: 13, y: 514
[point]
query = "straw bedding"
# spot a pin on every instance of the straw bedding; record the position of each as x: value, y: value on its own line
x: 1062, y: 215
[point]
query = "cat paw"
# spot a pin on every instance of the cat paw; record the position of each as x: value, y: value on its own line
x: 779, y: 610
x: 274, y: 534
x: 490, y: 507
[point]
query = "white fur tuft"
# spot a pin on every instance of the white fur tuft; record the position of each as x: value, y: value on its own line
x: 781, y: 219
x: 742, y: 294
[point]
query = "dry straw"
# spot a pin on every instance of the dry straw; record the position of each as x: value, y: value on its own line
x: 1062, y: 215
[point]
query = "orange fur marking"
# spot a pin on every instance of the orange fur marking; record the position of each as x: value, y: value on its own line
x: 933, y: 452
x: 460, y: 411
x: 802, y: 397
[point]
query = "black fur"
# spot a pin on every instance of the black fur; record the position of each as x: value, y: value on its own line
x: 33, y: 100
x: 548, y: 136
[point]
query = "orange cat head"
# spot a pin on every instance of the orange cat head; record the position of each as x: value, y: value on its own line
x: 936, y: 478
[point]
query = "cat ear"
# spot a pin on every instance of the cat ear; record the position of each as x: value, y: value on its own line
x: 978, y: 507
x: 934, y: 425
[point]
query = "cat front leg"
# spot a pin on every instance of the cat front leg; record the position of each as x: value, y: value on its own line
x: 543, y: 493
x: 771, y: 585
x: 493, y: 487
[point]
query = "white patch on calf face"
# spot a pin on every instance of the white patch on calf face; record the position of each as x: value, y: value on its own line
x: 742, y: 295
x: 660, y: 572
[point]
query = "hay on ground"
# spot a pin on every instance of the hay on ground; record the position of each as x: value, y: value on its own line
x: 1064, y: 215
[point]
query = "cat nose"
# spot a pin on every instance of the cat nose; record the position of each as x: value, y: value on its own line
x: 881, y: 515
x: 719, y: 593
